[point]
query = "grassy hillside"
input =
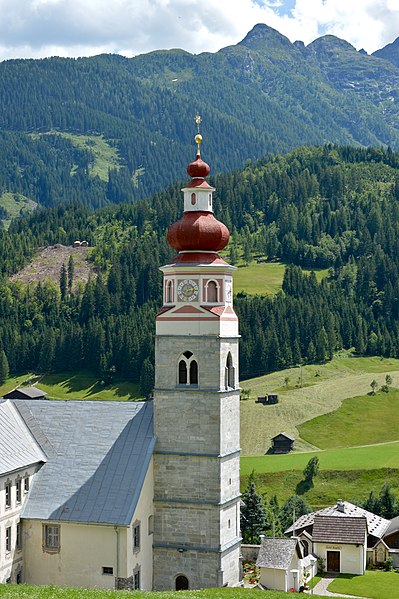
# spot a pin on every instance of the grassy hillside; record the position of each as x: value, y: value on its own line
x: 306, y: 393
x: 105, y: 156
x: 32, y: 592
x: 77, y: 385
x: 15, y: 204
x: 360, y: 420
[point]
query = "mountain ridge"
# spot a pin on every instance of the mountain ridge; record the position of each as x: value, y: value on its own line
x: 264, y: 94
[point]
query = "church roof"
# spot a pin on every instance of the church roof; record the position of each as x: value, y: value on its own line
x: 18, y: 448
x: 98, y: 456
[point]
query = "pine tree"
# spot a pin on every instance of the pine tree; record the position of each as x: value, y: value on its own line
x: 294, y: 505
x: 71, y: 272
x: 147, y: 378
x: 253, y: 515
x: 4, y: 367
x: 63, y: 282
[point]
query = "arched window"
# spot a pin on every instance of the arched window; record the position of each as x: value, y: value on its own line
x: 229, y: 373
x: 305, y: 548
x: 212, y: 292
x: 210, y: 200
x: 188, y: 369
x: 181, y: 583
x: 193, y: 199
x: 169, y: 292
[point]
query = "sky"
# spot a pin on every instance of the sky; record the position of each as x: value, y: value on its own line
x: 39, y: 28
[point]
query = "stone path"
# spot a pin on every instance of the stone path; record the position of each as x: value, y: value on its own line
x: 321, y: 588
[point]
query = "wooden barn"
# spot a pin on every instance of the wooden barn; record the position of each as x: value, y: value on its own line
x: 282, y: 443
x: 26, y: 393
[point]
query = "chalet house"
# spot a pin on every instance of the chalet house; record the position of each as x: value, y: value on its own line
x: 348, y: 537
x: 282, y: 564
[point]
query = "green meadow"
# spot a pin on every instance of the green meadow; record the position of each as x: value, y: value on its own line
x: 263, y: 279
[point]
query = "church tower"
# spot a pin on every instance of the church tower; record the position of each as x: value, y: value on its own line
x: 196, y: 403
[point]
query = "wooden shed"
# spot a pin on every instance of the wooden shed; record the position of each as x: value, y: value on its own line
x: 282, y: 443
x: 26, y: 393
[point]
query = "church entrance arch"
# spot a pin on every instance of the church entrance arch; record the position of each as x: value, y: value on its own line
x: 181, y: 583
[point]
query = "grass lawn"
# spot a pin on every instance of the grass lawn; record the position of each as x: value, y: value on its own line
x: 324, y: 388
x: 33, y: 592
x: 263, y: 279
x: 77, y: 385
x: 374, y: 584
x: 359, y: 421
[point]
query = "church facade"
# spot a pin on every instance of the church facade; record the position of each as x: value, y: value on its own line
x: 140, y: 495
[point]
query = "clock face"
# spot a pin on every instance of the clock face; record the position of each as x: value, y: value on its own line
x: 187, y: 290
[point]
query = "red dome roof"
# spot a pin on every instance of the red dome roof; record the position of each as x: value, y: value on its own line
x: 199, y: 231
x: 198, y: 168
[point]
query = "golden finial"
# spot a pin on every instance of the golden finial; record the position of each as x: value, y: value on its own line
x: 198, y: 137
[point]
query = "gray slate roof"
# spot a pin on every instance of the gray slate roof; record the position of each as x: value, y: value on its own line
x: 375, y: 524
x: 99, y: 453
x: 276, y: 553
x: 331, y: 529
x: 18, y: 448
x: 393, y: 526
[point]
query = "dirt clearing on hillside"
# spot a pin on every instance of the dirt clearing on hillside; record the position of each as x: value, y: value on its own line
x: 48, y: 262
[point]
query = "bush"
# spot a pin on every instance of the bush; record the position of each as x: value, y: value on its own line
x: 388, y: 564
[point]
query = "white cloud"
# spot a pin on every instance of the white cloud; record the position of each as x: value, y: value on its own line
x: 85, y: 27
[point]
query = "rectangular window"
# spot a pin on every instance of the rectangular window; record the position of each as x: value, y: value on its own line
x: 136, y: 537
x: 26, y: 484
x: 8, y: 495
x: 108, y: 570
x: 18, y: 490
x: 136, y: 580
x: 18, y: 540
x: 52, y: 536
x: 8, y: 538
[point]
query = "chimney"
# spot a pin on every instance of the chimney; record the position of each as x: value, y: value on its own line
x: 341, y: 505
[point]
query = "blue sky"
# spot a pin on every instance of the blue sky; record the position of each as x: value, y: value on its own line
x: 38, y: 28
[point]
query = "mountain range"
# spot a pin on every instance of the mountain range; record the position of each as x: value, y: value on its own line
x: 263, y: 95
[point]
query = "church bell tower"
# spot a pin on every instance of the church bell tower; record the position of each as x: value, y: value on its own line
x: 196, y: 403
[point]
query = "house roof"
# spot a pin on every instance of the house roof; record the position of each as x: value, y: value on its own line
x: 18, y: 448
x: 277, y: 553
x: 98, y: 456
x: 332, y: 529
x: 29, y: 392
x: 343, y: 509
x: 393, y: 526
x: 286, y: 435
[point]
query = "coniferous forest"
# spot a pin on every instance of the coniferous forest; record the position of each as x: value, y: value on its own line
x: 318, y: 207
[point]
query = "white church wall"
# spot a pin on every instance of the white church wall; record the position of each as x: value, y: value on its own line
x: 352, y: 557
x: 11, y: 560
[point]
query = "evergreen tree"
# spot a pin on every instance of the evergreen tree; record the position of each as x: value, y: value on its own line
x: 71, y: 272
x: 4, y: 367
x: 63, y: 282
x: 311, y: 469
x: 388, y: 507
x: 293, y: 506
x: 147, y: 378
x: 253, y: 515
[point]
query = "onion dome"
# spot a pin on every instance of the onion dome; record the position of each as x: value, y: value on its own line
x: 198, y: 168
x: 198, y: 231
